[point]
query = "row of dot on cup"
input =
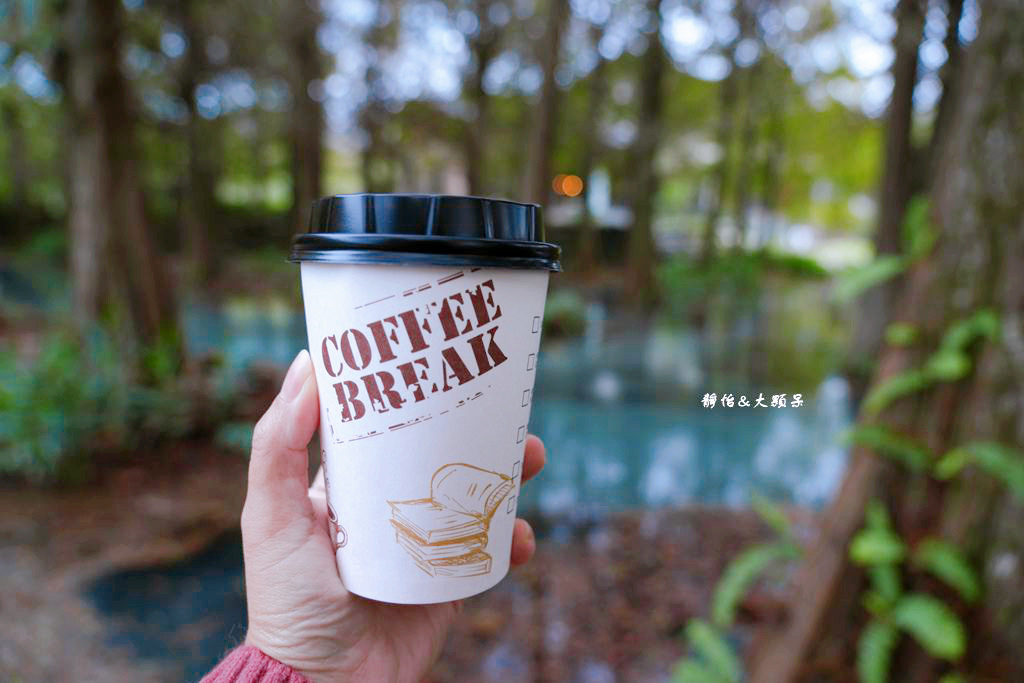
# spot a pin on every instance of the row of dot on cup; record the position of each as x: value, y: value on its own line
x: 531, y: 365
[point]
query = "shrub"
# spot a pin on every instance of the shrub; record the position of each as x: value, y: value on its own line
x: 79, y: 399
x: 565, y: 314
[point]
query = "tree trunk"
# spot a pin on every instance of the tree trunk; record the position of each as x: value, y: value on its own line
x: 375, y: 168
x: 897, y: 179
x: 771, y: 162
x: 641, y: 286
x: 142, y: 281
x: 727, y: 95
x: 538, y: 170
x: 747, y: 153
x: 307, y: 118
x: 950, y: 75
x: 16, y: 156
x: 897, y: 170
x: 106, y: 193
x: 590, y: 133
x: 10, y: 117
x: 197, y: 196
x: 483, y: 47
x: 978, y: 206
x: 89, y: 198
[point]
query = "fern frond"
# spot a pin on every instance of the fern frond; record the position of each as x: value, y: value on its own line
x: 741, y: 574
x: 945, y: 561
x: 874, y: 651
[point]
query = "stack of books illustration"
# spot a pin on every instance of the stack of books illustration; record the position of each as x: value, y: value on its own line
x: 446, y: 534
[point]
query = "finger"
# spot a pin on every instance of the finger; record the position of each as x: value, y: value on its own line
x: 524, y: 544
x: 278, y: 472
x: 534, y: 457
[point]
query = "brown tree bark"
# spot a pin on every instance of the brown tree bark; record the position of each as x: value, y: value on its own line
x: 590, y: 132
x: 375, y: 165
x: 197, y: 201
x: 771, y: 163
x: 728, y: 96
x: 16, y: 156
x: 720, y: 176
x: 641, y: 286
x: 537, y: 179
x: 111, y: 242
x: 307, y: 118
x: 897, y: 168
x: 483, y: 46
x: 897, y: 181
x: 978, y: 206
x: 950, y: 76
x: 88, y: 196
x: 10, y: 118
x: 748, y: 152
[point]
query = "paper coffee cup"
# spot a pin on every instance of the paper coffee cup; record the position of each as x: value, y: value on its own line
x: 425, y: 354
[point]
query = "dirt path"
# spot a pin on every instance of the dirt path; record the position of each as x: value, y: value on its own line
x: 603, y: 601
x: 606, y: 603
x: 54, y: 542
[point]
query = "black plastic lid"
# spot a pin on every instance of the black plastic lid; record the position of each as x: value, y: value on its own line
x: 423, y: 229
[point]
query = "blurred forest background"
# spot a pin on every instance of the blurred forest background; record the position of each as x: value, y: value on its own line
x: 819, y: 204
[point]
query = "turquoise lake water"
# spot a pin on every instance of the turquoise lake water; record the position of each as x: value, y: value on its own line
x: 622, y: 419
x: 624, y: 426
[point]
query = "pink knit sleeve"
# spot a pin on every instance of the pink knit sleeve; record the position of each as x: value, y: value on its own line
x: 248, y: 664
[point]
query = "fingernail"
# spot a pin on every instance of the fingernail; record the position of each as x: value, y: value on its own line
x: 295, y: 377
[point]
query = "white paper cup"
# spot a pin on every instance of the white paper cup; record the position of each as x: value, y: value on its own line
x: 425, y: 375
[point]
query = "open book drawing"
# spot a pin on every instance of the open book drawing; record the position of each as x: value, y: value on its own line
x: 446, y: 534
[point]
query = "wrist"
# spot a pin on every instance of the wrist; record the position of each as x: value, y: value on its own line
x: 309, y: 670
x: 249, y: 664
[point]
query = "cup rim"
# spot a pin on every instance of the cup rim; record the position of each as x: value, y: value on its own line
x: 399, y: 249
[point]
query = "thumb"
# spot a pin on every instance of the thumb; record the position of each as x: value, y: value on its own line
x: 278, y: 474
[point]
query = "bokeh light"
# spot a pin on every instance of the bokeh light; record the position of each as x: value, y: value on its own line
x: 572, y: 186
x: 567, y: 185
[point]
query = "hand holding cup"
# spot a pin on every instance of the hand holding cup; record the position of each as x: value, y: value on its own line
x: 299, y: 611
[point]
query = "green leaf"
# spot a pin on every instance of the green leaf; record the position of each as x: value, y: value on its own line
x: 952, y: 463
x: 901, y: 334
x: 854, y: 282
x: 875, y: 603
x: 955, y: 677
x: 932, y: 624
x: 885, y: 441
x: 894, y: 387
x: 741, y: 574
x: 875, y: 515
x: 874, y: 651
x: 919, y: 234
x: 984, y: 323
x: 789, y: 263
x: 1004, y: 463
x: 948, y: 365
x: 885, y: 580
x: 958, y: 335
x: 692, y: 671
x: 877, y: 546
x: 945, y: 561
x: 713, y: 649
x: 772, y: 514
